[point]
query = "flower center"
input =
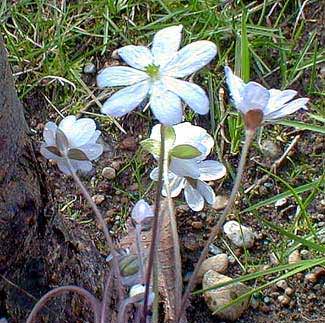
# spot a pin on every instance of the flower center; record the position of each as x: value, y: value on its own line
x: 153, y: 71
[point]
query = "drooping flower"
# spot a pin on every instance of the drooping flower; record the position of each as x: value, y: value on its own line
x: 259, y: 104
x: 73, y: 140
x: 154, y: 72
x: 190, y: 174
x: 142, y: 214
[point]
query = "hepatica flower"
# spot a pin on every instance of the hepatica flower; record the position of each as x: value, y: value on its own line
x: 73, y: 140
x: 155, y: 73
x: 259, y: 104
x: 187, y: 147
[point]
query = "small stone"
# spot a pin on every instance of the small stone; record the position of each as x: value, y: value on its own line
x: 129, y: 143
x: 305, y: 254
x: 270, y: 149
x: 289, y: 291
x: 197, y: 225
x: 267, y: 300
x: 284, y: 300
x: 282, y: 284
x: 231, y: 259
x: 214, y: 249
x: 319, y: 272
x: 280, y: 202
x: 294, y: 257
x: 311, y: 278
x: 218, y: 263
x: 220, y: 202
x: 109, y: 172
x: 239, y: 235
x: 98, y: 199
x: 89, y: 68
x: 115, y: 54
x: 221, y: 296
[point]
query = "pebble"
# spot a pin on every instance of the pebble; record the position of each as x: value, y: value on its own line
x: 89, y: 68
x: 129, y: 143
x: 109, y: 172
x: 218, y: 263
x: 282, y: 284
x: 197, y: 225
x: 284, y: 300
x: 294, y: 257
x: 311, y: 278
x: 280, y: 202
x: 220, y: 202
x: 289, y: 291
x: 319, y: 272
x: 270, y: 149
x: 214, y: 249
x: 98, y: 199
x: 267, y: 300
x: 305, y: 254
x: 221, y: 296
x: 239, y: 235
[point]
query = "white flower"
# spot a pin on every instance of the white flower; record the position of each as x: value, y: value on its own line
x: 271, y: 104
x: 154, y: 72
x: 141, y: 212
x: 74, y: 140
x: 191, y: 174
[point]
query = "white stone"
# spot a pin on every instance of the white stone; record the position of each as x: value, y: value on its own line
x: 239, y: 235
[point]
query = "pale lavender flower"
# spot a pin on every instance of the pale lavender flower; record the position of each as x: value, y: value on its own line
x: 154, y: 72
x: 259, y: 104
x: 73, y: 140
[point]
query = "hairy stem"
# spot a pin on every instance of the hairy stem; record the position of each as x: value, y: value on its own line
x: 215, y: 232
x: 106, y: 298
x: 155, y: 226
x: 92, y: 300
x: 102, y: 223
x: 139, y: 250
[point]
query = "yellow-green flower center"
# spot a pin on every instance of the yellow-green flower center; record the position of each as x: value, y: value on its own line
x: 153, y: 71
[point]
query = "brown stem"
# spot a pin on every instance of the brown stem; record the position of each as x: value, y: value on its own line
x: 93, y: 301
x: 106, y: 297
x: 215, y: 232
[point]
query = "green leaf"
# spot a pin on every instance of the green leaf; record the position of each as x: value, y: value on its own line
x: 170, y: 135
x: 77, y: 154
x: 185, y: 152
x: 302, y: 126
x: 151, y: 145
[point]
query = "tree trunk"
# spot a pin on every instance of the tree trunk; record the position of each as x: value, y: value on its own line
x: 37, y: 250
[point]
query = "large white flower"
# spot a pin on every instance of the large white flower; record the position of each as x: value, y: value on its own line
x: 271, y: 104
x: 155, y: 72
x: 191, y: 174
x: 73, y: 140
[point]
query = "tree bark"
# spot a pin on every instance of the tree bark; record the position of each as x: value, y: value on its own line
x: 37, y: 249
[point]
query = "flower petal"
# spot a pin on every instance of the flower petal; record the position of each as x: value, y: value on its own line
x: 193, y: 95
x: 78, y: 132
x: 288, y: 108
x: 236, y: 86
x: 206, y: 191
x: 165, y: 105
x: 185, y: 167
x: 95, y: 137
x: 165, y: 44
x: 176, y: 185
x: 190, y: 59
x: 119, y: 75
x: 255, y: 96
x: 125, y: 100
x: 211, y: 170
x: 193, y: 198
x: 136, y: 56
x: 278, y: 99
x: 84, y: 166
x: 49, y: 133
x: 92, y: 151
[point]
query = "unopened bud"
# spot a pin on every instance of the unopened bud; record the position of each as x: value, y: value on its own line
x: 129, y: 265
x: 142, y: 214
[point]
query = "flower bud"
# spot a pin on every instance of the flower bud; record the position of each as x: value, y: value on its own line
x: 142, y: 214
x: 129, y: 265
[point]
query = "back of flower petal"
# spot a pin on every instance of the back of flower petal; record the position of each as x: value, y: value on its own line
x: 193, y: 198
x: 84, y: 166
x: 125, y: 100
x: 165, y: 44
x: 81, y: 132
x: 255, y: 96
x: 119, y: 76
x: 211, y: 170
x: 206, y: 191
x: 193, y: 95
x: 236, y: 86
x: 190, y: 59
x: 278, y: 99
x: 136, y: 56
x: 185, y: 167
x: 92, y: 150
x: 165, y: 105
x: 49, y: 133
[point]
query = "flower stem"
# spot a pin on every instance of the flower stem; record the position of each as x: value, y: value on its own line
x: 139, y: 250
x: 106, y: 298
x: 92, y: 300
x: 216, y: 230
x: 155, y: 226
x: 102, y: 223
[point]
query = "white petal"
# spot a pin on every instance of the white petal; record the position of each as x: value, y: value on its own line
x: 255, y: 96
x: 119, y: 75
x: 193, y: 198
x: 211, y: 170
x: 67, y: 123
x: 185, y: 167
x: 236, y: 86
x: 193, y: 95
x: 141, y: 211
x: 206, y: 191
x: 165, y: 105
x: 125, y: 100
x: 47, y: 154
x: 136, y: 56
x: 92, y: 151
x: 95, y: 137
x: 165, y: 44
x: 83, y: 166
x: 155, y: 132
x: 278, y: 99
x: 190, y: 59
x: 49, y: 133
x: 288, y: 108
x: 176, y: 185
x: 155, y: 173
